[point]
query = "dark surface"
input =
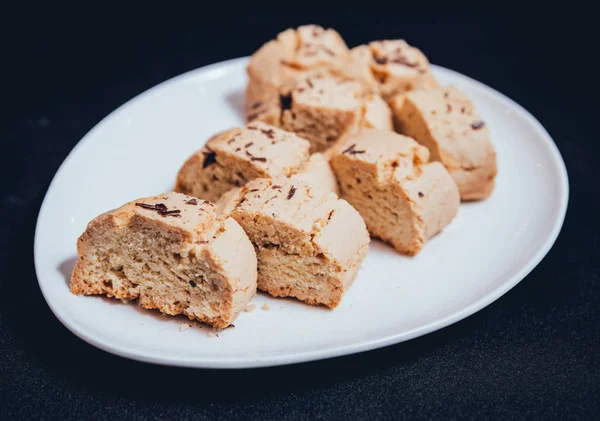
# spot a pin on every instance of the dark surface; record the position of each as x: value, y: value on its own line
x: 533, y: 354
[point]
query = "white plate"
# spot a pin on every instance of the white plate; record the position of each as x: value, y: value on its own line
x: 138, y: 149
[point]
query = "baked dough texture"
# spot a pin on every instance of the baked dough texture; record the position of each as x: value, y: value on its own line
x: 236, y: 156
x: 170, y: 252
x: 446, y: 122
x: 309, y: 243
x: 294, y: 54
x: 403, y: 199
x: 389, y: 67
x: 322, y: 110
x: 239, y: 155
x: 318, y: 173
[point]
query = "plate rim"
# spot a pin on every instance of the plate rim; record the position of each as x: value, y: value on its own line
x: 300, y: 357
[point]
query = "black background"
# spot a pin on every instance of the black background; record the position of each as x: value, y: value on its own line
x: 533, y: 354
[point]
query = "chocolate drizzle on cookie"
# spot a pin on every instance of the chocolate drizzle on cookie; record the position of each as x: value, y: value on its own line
x: 192, y: 201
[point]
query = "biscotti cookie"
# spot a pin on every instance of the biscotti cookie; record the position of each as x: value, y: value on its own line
x: 389, y: 68
x: 323, y: 109
x: 445, y: 121
x: 376, y: 114
x: 172, y: 253
x: 319, y: 109
x: 309, y: 243
x: 236, y: 156
x: 295, y: 54
x: 318, y: 173
x: 403, y: 199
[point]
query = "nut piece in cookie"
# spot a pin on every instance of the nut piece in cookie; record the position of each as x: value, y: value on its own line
x: 403, y: 199
x: 170, y: 252
x: 309, y: 243
x: 446, y: 122
x: 237, y: 156
x: 390, y: 67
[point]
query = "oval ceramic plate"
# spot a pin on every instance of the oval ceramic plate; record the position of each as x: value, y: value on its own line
x: 137, y: 150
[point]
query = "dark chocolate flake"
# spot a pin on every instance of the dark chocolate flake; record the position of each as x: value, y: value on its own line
x: 192, y: 283
x: 202, y: 242
x: 174, y: 212
x: 258, y: 158
x: 477, y: 125
x: 420, y: 194
x: 350, y: 148
x: 247, y: 145
x: 270, y: 133
x: 210, y: 157
x: 285, y: 102
x: 309, y: 83
x: 161, y: 208
x: 404, y: 61
x: 276, y: 186
x: 192, y: 201
x: 291, y: 193
x: 380, y: 60
x: 253, y: 190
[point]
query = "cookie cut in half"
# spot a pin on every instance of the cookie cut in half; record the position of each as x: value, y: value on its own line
x: 172, y: 253
x: 390, y: 67
x: 446, y: 122
x: 309, y: 243
x: 403, y: 199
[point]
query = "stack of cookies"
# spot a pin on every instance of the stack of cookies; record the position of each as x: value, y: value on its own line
x: 339, y: 143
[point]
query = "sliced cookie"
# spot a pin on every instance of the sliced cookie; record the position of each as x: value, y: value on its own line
x: 318, y: 173
x: 309, y: 243
x: 322, y: 110
x: 295, y: 54
x: 237, y: 156
x: 446, y: 122
x: 403, y: 199
x: 390, y: 67
x: 172, y: 253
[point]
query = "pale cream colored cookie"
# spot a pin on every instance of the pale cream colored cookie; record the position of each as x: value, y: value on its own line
x: 309, y: 243
x: 376, y: 114
x: 390, y: 67
x: 403, y: 199
x: 170, y: 252
x: 445, y: 121
x: 318, y: 173
x: 237, y: 156
x: 322, y: 110
x: 295, y: 54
